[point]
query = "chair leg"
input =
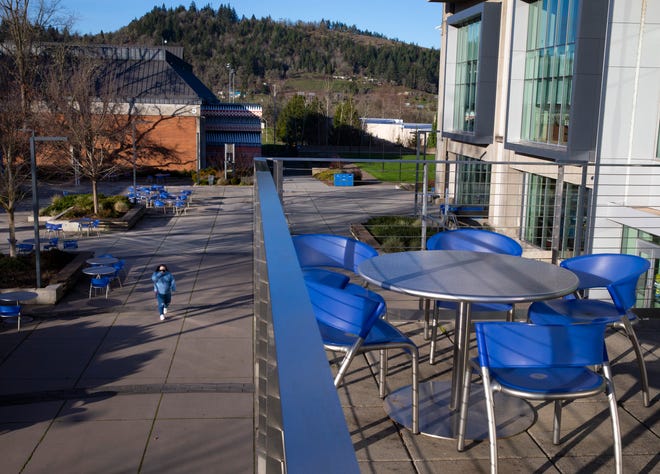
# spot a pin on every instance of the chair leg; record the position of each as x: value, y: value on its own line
x: 346, y: 361
x: 107, y: 289
x: 490, y: 410
x: 556, y: 423
x: 414, y: 353
x: 630, y: 332
x: 463, y: 414
x: 382, y: 373
x: 510, y: 315
x: 90, y: 291
x: 434, y: 334
x: 425, y: 304
x: 614, y: 414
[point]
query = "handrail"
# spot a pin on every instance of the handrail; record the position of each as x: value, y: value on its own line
x: 299, y: 423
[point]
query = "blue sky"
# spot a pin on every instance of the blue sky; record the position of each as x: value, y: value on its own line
x: 413, y: 21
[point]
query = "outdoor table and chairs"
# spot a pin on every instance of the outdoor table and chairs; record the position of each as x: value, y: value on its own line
x: 101, y: 277
x: 12, y: 311
x: 464, y: 277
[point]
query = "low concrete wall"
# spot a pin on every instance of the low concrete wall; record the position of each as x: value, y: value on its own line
x: 127, y: 221
x: 59, y: 284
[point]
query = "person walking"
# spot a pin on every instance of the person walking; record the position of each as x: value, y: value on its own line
x: 164, y: 285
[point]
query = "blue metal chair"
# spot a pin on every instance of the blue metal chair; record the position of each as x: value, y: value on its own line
x: 69, y: 244
x: 160, y: 204
x: 24, y: 249
x: 119, y: 268
x: 541, y: 363
x: 53, y: 243
x: 475, y: 240
x: 619, y: 274
x: 96, y: 227
x: 316, y: 252
x: 180, y: 207
x: 11, y: 311
x: 99, y: 284
x: 352, y: 324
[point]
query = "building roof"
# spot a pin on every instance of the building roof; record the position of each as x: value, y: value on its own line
x: 148, y: 74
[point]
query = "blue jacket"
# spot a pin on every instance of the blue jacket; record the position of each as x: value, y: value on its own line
x: 163, y: 282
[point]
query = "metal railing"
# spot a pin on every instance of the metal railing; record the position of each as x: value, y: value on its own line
x: 555, y: 211
x: 299, y: 423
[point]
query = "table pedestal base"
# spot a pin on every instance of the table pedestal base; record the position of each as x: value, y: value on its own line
x: 512, y: 415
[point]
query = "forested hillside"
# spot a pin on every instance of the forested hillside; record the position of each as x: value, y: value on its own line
x: 266, y: 51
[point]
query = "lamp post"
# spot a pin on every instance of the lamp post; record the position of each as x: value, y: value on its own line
x: 229, y: 86
x: 35, y: 198
x: 133, y: 137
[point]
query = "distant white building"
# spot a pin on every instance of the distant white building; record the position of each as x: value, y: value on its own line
x: 394, y: 130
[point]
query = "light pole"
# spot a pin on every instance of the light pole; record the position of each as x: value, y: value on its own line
x: 35, y: 198
x: 133, y: 132
x: 229, y: 86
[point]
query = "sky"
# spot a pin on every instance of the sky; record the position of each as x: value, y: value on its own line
x: 412, y: 21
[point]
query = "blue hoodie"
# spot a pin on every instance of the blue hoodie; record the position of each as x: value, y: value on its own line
x: 163, y: 282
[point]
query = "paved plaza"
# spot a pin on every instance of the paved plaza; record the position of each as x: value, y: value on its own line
x: 103, y: 386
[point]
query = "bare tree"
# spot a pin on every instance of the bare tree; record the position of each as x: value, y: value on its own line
x: 85, y: 99
x: 21, y: 24
x: 14, y: 157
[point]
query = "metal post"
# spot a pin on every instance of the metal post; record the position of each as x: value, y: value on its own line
x: 134, y: 163
x: 35, y: 198
x: 35, y: 211
x: 557, y: 214
x: 416, y: 171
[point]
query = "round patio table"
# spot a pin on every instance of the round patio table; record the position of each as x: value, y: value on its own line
x: 102, y: 260
x: 466, y: 278
x: 17, y: 297
x: 99, y: 271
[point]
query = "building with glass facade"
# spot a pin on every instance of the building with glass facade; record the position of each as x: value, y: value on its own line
x: 551, y: 111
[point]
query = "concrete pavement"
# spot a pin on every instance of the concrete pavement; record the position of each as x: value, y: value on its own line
x: 103, y: 386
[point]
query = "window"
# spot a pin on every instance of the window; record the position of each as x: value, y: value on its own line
x: 539, y: 214
x: 473, y: 182
x: 470, y: 88
x: 548, y: 72
x: 467, y: 61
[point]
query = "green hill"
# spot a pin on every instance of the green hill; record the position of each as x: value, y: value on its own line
x: 275, y: 59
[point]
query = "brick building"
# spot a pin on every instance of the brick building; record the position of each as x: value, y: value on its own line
x: 175, y: 110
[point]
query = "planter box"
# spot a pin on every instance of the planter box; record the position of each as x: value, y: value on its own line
x: 59, y: 284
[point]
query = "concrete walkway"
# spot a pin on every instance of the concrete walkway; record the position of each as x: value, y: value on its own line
x: 102, y: 385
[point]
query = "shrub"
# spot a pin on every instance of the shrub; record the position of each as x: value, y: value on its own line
x: 83, y: 205
x: 397, y: 233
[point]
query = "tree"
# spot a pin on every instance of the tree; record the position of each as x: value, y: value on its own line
x: 291, y: 121
x: 22, y: 25
x: 346, y: 123
x: 86, y: 103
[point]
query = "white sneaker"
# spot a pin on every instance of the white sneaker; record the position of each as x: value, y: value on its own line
x: 162, y: 317
x: 165, y: 310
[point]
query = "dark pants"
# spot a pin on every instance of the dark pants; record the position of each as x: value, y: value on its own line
x: 163, y: 301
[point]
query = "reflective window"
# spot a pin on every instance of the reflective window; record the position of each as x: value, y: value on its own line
x: 539, y: 214
x: 465, y: 95
x: 549, y: 71
x: 473, y: 182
